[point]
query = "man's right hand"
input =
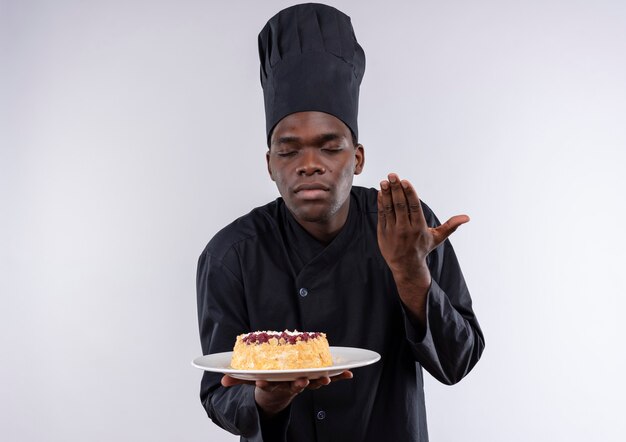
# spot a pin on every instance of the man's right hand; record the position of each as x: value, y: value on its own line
x: 274, y: 397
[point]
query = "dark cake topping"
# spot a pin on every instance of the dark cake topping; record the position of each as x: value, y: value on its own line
x: 287, y: 336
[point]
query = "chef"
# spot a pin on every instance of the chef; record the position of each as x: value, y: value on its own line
x: 372, y: 269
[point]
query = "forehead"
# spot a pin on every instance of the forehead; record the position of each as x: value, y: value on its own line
x: 310, y: 124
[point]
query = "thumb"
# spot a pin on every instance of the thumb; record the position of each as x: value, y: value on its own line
x: 443, y: 231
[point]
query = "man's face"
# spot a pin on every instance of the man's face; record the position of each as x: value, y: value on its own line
x: 313, y: 160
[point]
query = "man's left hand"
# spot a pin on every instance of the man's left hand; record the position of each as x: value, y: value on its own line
x: 405, y: 240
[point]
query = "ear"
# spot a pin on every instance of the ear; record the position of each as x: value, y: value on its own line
x: 269, y: 168
x: 359, y: 154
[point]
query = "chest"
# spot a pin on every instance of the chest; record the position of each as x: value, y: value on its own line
x: 348, y: 294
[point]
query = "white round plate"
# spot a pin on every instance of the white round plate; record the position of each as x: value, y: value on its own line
x: 344, y: 358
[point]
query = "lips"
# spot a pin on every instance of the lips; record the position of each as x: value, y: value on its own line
x: 310, y: 186
x: 311, y: 191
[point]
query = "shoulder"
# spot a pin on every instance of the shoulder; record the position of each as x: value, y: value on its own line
x: 367, y: 202
x: 366, y: 199
x: 258, y: 222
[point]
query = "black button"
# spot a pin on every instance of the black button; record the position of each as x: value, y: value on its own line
x: 321, y: 415
x: 303, y: 292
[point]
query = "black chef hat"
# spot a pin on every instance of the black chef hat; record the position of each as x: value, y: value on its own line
x: 310, y: 61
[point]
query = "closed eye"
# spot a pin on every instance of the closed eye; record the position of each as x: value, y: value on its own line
x: 332, y: 149
x: 286, y: 153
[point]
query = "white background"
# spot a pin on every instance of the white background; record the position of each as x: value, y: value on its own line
x: 131, y: 131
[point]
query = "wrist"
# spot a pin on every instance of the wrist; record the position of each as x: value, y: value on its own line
x: 416, y: 275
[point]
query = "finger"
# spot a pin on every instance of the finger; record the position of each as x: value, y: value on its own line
x: 271, y: 387
x: 228, y: 381
x: 388, y: 212
x: 345, y: 375
x: 443, y: 231
x: 286, y: 388
x: 382, y: 219
x: 267, y: 385
x: 318, y: 383
x: 297, y: 386
x: 415, y: 206
x: 300, y: 383
x: 323, y: 381
x: 400, y: 204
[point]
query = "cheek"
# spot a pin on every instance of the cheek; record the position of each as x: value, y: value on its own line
x: 348, y: 171
x: 275, y: 173
x: 346, y: 177
x: 279, y: 180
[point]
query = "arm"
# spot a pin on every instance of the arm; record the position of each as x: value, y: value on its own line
x: 221, y: 317
x: 445, y: 336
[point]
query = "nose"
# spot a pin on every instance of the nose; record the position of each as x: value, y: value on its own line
x: 310, y: 163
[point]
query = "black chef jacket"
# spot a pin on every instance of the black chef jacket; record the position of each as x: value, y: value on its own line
x: 263, y: 272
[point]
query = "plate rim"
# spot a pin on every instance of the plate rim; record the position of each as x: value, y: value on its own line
x: 374, y: 357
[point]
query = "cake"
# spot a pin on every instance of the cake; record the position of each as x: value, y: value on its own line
x: 287, y: 350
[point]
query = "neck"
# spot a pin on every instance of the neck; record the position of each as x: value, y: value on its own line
x: 326, y: 231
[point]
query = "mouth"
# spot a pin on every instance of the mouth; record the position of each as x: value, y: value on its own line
x: 311, y: 191
x: 310, y: 186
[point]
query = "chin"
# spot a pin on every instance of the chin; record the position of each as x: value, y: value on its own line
x: 312, y: 216
x: 321, y: 212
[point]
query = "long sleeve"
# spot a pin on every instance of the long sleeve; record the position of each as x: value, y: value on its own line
x: 221, y: 316
x: 451, y: 342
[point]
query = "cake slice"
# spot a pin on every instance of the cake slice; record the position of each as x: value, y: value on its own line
x: 287, y: 350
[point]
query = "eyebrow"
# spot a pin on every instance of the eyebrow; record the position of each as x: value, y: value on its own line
x: 321, y: 139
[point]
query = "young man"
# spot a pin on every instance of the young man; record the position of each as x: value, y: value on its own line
x: 371, y: 269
